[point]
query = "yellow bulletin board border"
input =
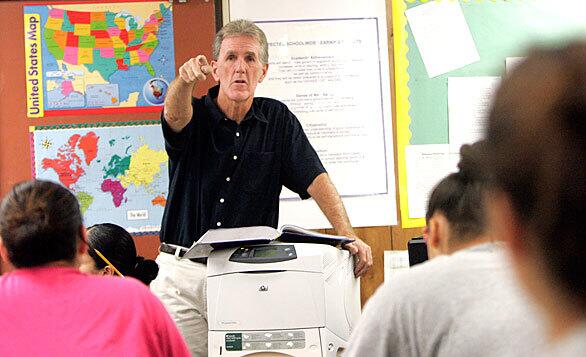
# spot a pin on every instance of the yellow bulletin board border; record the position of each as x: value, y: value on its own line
x: 400, y: 49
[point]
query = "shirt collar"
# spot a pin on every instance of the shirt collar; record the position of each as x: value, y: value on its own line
x: 217, y: 114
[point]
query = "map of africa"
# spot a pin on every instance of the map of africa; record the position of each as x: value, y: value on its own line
x: 108, y: 55
x: 118, y: 173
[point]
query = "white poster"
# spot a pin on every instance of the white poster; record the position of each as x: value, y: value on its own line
x: 324, y: 72
x: 395, y: 261
x: 469, y: 100
x: 442, y: 36
x: 331, y: 70
x: 426, y: 166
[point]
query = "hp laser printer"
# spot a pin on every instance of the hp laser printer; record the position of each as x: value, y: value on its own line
x: 281, y: 299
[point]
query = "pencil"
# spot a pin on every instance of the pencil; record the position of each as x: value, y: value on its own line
x: 108, y: 262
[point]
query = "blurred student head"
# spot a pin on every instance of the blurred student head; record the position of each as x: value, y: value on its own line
x: 40, y: 224
x: 118, y: 247
x: 536, y: 153
x: 456, y: 215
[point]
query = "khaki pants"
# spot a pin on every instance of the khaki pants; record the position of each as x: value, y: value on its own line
x: 181, y: 287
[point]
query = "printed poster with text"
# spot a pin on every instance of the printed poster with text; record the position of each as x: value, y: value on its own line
x: 88, y: 58
x: 117, y: 171
x: 329, y: 74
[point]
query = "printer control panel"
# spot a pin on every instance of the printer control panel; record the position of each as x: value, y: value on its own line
x: 263, y: 341
x: 266, y: 253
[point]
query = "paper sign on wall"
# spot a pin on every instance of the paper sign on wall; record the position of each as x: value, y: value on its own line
x: 442, y: 36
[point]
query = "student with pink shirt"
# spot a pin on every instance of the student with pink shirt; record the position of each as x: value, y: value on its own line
x: 49, y: 308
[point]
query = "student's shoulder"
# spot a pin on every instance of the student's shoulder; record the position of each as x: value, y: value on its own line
x: 441, y: 273
x: 418, y: 279
x: 122, y: 287
x: 130, y: 294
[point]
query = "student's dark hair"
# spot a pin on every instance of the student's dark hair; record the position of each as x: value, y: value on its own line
x: 117, y: 245
x: 536, y: 141
x: 459, y: 196
x: 40, y: 223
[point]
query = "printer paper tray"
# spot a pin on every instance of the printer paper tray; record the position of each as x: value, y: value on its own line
x: 272, y: 301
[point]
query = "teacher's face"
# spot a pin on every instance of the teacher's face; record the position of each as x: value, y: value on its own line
x: 238, y: 68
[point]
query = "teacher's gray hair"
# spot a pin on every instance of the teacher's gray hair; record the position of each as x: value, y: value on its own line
x: 242, y: 28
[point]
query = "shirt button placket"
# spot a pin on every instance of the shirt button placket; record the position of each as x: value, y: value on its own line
x: 228, y: 178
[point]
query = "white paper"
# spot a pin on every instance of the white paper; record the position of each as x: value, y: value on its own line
x: 395, y: 261
x: 469, y: 101
x: 512, y: 62
x: 325, y: 71
x: 329, y: 64
x: 426, y: 166
x: 256, y: 10
x: 442, y: 36
x: 230, y: 237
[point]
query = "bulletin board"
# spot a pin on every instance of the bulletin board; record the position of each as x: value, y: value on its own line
x: 500, y: 29
x: 193, y: 27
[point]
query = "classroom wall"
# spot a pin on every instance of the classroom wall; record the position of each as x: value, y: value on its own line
x: 386, y: 237
x: 194, y: 28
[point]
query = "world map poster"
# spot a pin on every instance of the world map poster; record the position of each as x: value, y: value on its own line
x: 117, y: 171
x: 98, y: 57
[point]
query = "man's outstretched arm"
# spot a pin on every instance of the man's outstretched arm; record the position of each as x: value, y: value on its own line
x: 325, y: 194
x: 178, y: 109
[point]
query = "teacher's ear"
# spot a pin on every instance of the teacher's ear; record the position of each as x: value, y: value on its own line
x: 265, y: 69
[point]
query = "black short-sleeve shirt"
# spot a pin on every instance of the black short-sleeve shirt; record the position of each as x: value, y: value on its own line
x: 223, y: 174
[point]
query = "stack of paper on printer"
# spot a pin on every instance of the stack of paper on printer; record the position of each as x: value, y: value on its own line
x: 234, y: 237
